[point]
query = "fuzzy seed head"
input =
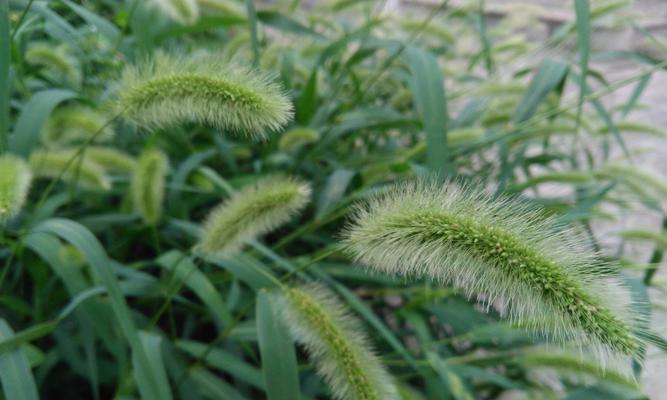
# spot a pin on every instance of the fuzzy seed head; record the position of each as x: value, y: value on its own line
x: 336, y: 344
x: 55, y: 59
x: 148, y: 183
x: 58, y: 164
x: 73, y: 124
x: 185, y: 12
x: 15, y: 178
x: 202, y: 89
x: 111, y: 159
x: 294, y: 139
x: 253, y: 211
x: 507, y: 255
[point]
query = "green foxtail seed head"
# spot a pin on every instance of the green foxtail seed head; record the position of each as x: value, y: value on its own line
x: 203, y: 89
x: 504, y: 253
x: 111, y: 160
x: 296, y: 138
x: 58, y: 164
x: 336, y: 344
x: 185, y: 12
x: 57, y: 60
x: 253, y: 211
x: 73, y: 124
x: 15, y: 177
x: 148, y: 182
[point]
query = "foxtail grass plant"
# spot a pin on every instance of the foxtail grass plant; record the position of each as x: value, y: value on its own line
x: 336, y: 344
x: 148, y: 183
x: 15, y: 178
x: 203, y: 89
x: 58, y: 164
x: 499, y: 250
x: 253, y: 211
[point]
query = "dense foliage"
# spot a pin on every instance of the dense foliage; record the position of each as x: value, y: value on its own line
x: 212, y: 199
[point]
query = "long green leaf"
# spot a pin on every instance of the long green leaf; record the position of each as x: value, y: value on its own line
x: 150, y: 385
x: 33, y: 116
x: 281, y: 375
x: 549, y: 76
x: 428, y: 86
x: 15, y: 375
x: 152, y: 347
x: 183, y: 268
x: 5, y: 60
x: 583, y: 12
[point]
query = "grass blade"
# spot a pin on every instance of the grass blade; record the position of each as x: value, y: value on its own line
x: 549, y: 76
x: 90, y: 247
x: 252, y: 26
x: 183, y: 269
x: 428, y: 86
x: 5, y: 60
x: 153, y: 348
x: 33, y: 116
x: 583, y: 12
x: 15, y: 375
x: 281, y: 375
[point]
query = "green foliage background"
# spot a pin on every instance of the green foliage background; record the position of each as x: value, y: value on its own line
x: 95, y: 303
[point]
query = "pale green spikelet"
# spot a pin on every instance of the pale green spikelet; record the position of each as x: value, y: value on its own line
x: 74, y: 124
x: 15, y: 178
x: 253, y: 211
x: 55, y: 59
x: 536, y: 272
x: 185, y: 12
x: 111, y: 159
x: 296, y: 138
x: 202, y: 89
x: 148, y: 184
x: 336, y: 344
x: 58, y: 164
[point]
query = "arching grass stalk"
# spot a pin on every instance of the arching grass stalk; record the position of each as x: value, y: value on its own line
x: 202, y: 89
x: 502, y: 252
x: 253, y: 211
x: 336, y: 344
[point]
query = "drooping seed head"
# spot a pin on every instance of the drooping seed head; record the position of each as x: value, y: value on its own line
x: 68, y: 166
x: 253, y: 211
x: 294, y: 139
x: 111, y: 159
x: 15, y: 178
x: 504, y: 253
x: 57, y: 60
x: 148, y: 183
x: 336, y: 344
x: 185, y: 12
x: 202, y: 89
x: 74, y: 124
